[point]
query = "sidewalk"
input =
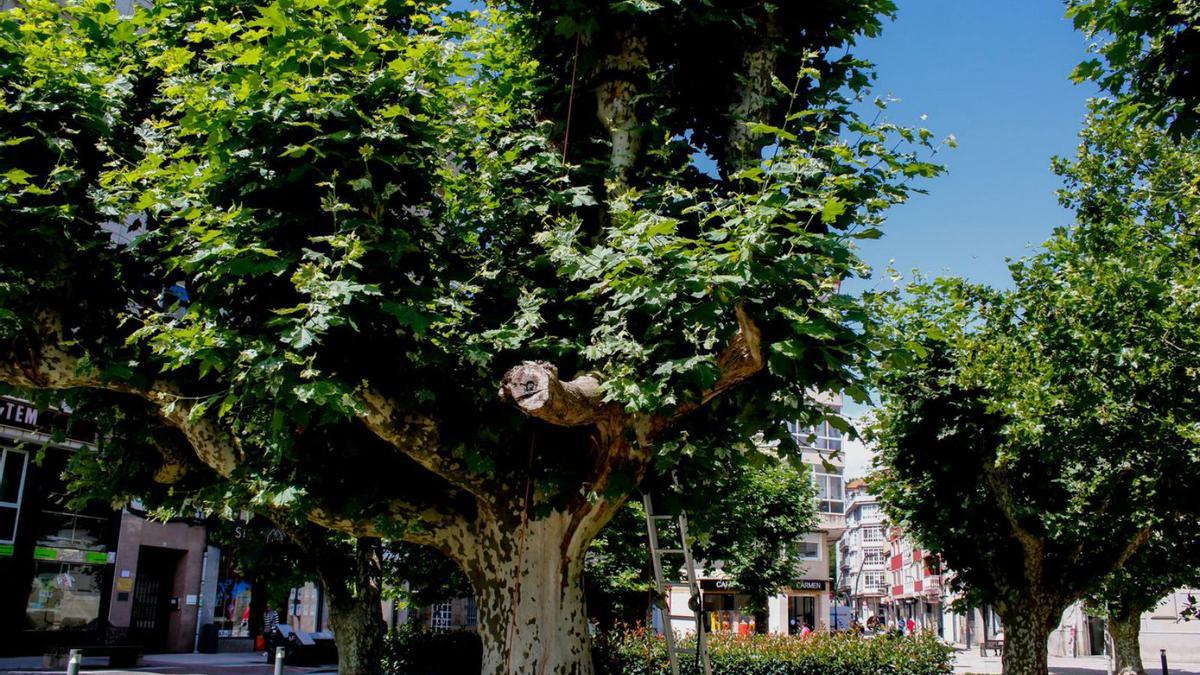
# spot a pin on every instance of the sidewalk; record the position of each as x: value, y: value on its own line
x: 971, y: 662
x: 171, y: 664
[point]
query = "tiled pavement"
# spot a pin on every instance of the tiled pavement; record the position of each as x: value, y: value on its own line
x: 172, y: 664
x: 971, y: 662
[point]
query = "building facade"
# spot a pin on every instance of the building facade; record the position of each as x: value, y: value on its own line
x: 862, y: 554
x: 808, y: 601
x: 915, y: 578
x: 71, y: 577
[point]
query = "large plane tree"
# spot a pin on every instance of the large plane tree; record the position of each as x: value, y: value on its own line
x: 458, y: 278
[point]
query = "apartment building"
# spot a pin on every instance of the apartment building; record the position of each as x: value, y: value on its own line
x: 862, y: 554
x: 808, y: 601
x: 915, y: 578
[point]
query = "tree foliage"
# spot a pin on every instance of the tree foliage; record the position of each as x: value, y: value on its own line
x: 313, y: 237
x: 1039, y: 436
x: 1149, y: 56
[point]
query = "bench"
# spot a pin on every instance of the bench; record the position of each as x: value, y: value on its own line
x: 127, y: 656
x: 995, y: 645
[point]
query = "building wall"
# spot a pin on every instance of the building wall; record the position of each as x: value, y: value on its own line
x: 188, y: 542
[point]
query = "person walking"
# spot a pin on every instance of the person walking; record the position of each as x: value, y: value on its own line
x: 270, y: 628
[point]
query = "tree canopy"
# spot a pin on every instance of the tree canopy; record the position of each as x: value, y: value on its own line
x: 315, y: 237
x: 1039, y: 436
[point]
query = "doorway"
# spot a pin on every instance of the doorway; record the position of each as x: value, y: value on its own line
x: 153, y: 593
x: 802, y: 611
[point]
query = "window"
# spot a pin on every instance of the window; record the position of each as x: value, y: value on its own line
x: 64, y: 596
x: 821, y: 437
x: 869, y: 511
x: 874, y: 557
x: 472, y: 613
x: 808, y: 550
x: 830, y: 497
x: 873, y: 581
x: 872, y: 534
x: 12, y: 485
x: 440, y: 618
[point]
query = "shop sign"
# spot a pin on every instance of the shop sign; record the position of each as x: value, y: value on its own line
x: 70, y: 555
x: 6, y: 550
x: 717, y: 585
x: 810, y: 585
x: 25, y: 415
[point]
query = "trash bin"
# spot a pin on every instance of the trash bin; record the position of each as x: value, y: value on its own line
x: 207, y: 644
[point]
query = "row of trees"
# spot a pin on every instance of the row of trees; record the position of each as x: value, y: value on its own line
x: 1046, y: 438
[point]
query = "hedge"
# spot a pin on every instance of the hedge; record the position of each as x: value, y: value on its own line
x: 413, y: 651
x: 636, y: 653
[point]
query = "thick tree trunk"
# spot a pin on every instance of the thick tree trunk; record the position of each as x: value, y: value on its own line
x: 1026, y: 631
x: 532, y: 618
x: 355, y: 613
x: 1125, y: 632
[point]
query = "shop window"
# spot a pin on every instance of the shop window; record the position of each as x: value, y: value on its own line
x: 60, y: 529
x: 802, y: 611
x: 64, y: 596
x: 727, y: 613
x: 12, y: 485
x: 232, y: 609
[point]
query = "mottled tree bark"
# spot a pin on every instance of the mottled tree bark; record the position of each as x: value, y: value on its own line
x: 355, y: 614
x: 529, y: 583
x: 1125, y: 632
x: 1025, y: 637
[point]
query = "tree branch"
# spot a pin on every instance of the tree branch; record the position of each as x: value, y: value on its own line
x: 741, y: 359
x: 616, y: 103
x: 534, y: 388
x: 742, y: 146
x: 416, y: 436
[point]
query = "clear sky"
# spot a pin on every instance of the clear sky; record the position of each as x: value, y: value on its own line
x: 994, y: 74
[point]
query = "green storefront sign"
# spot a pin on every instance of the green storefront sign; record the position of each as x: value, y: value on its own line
x: 69, y: 555
x: 6, y: 550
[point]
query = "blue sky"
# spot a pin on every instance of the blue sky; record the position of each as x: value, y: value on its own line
x: 994, y: 74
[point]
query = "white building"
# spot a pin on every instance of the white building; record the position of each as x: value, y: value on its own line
x: 862, y: 559
x: 808, y: 600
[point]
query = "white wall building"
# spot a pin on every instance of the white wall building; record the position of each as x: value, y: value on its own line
x: 862, y: 558
x: 807, y: 601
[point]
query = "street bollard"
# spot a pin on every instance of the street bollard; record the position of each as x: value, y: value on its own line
x: 1162, y: 654
x: 280, y: 654
x: 73, y: 661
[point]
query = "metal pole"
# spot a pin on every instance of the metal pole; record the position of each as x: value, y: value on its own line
x: 280, y: 654
x: 73, y: 661
x: 1162, y: 655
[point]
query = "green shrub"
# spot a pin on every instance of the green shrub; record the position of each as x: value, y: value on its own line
x: 412, y: 649
x: 636, y: 653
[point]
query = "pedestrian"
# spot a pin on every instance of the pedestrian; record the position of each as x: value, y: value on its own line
x: 806, y: 631
x: 270, y: 627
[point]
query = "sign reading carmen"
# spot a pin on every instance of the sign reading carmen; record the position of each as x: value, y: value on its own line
x: 728, y: 585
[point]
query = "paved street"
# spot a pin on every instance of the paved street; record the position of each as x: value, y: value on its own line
x: 171, y: 664
x: 971, y: 662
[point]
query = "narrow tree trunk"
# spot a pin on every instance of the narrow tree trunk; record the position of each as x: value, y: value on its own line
x: 355, y: 612
x: 532, y: 619
x: 1125, y: 632
x: 1026, y: 632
